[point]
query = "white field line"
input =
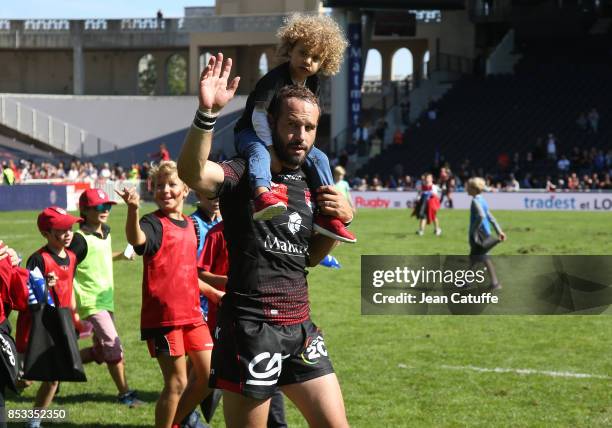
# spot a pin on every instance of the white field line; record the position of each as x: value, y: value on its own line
x: 8, y: 238
x: 527, y: 372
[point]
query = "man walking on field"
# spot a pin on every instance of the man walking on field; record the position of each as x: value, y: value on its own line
x: 264, y: 336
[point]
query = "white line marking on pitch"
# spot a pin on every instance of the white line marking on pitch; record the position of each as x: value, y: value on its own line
x: 8, y: 238
x: 527, y: 372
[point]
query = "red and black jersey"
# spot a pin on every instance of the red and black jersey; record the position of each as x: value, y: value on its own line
x: 170, y: 292
x: 64, y: 268
x: 267, y: 259
x: 13, y: 288
x: 214, y: 259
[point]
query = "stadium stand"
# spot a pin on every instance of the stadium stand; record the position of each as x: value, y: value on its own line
x: 483, y: 118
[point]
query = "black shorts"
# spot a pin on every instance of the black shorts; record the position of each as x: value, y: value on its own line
x: 254, y: 358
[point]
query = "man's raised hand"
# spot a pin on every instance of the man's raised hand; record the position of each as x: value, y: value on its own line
x: 214, y: 91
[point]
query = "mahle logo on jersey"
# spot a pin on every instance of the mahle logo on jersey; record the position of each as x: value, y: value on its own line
x: 275, y: 245
x: 271, y: 370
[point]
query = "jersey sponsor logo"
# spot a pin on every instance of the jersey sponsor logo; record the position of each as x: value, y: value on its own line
x: 294, y: 177
x: 275, y: 245
x: 295, y: 223
x: 308, y: 198
x: 6, y: 349
x: 314, y: 349
x: 271, y: 372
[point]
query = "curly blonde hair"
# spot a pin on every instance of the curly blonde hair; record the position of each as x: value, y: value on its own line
x: 319, y: 34
x: 164, y: 169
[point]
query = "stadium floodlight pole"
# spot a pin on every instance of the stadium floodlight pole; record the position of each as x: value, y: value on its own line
x: 214, y: 93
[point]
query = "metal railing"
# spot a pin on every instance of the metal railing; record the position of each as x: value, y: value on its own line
x: 390, y: 95
x: 47, y: 129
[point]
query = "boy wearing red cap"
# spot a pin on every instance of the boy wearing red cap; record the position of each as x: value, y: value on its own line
x: 171, y: 321
x: 94, y: 288
x: 57, y: 264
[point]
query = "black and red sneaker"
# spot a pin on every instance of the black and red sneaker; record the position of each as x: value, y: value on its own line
x: 333, y: 228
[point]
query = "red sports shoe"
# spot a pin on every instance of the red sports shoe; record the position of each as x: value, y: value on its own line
x: 268, y: 205
x: 333, y: 228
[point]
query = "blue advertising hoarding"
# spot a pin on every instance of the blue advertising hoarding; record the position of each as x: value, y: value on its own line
x: 32, y: 197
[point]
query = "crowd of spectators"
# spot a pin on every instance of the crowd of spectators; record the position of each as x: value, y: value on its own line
x: 542, y: 167
x: 75, y: 171
x: 545, y: 166
x: 583, y: 170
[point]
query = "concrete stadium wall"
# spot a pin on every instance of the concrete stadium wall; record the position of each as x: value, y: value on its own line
x: 107, y: 72
x: 44, y: 72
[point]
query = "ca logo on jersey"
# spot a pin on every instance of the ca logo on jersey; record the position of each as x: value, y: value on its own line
x: 294, y: 223
x: 272, y: 369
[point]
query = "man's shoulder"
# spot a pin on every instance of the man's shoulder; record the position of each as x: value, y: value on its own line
x: 233, y: 168
x: 238, y: 161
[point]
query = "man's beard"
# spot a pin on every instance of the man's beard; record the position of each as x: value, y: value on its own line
x: 282, y: 151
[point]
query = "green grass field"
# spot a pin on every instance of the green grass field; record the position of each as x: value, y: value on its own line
x: 399, y: 371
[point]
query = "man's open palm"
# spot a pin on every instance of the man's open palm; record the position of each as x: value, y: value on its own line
x: 215, y: 92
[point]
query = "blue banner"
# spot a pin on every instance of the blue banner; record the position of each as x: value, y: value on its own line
x: 32, y: 197
x: 354, y: 31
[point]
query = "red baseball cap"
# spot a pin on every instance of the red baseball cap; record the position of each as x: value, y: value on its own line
x: 56, y: 218
x: 94, y: 197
